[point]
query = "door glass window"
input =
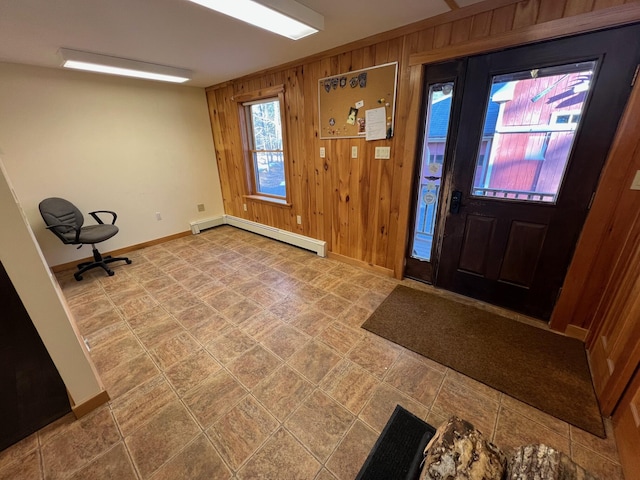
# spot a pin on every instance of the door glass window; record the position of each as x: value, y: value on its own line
x: 433, y: 153
x: 529, y: 128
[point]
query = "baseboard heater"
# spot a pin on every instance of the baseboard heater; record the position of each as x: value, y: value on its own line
x: 308, y: 243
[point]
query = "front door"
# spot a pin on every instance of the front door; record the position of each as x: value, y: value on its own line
x: 520, y: 165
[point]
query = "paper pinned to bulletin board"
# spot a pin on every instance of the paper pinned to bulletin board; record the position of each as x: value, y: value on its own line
x: 358, y: 104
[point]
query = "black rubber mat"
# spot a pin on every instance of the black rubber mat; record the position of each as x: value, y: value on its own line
x: 397, y: 453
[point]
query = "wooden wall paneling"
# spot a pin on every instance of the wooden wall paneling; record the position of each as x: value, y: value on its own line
x: 325, y: 68
x: 344, y: 174
x: 409, y: 148
x: 312, y: 158
x: 502, y: 19
x: 442, y: 35
x: 355, y: 204
x: 365, y: 177
x: 344, y: 180
x: 383, y: 202
x: 598, y: 4
x: 232, y: 148
x: 425, y: 40
x: 608, y: 221
x: 215, y: 113
x: 237, y: 133
x: 592, y: 21
x: 615, y: 353
x: 576, y: 7
x: 626, y: 426
x: 550, y: 10
x: 333, y: 178
x: 461, y: 30
x: 402, y: 183
x: 298, y: 175
x: 526, y: 13
x: 481, y: 25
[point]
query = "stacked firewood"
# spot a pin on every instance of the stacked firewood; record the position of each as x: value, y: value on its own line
x: 458, y: 451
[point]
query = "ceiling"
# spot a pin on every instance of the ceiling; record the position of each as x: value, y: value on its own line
x: 182, y: 34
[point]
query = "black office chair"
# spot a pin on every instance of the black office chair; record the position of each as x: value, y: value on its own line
x: 66, y: 222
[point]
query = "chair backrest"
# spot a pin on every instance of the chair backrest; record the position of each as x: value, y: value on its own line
x: 55, y: 211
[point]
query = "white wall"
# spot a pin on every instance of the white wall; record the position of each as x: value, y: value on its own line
x: 43, y: 299
x: 134, y: 146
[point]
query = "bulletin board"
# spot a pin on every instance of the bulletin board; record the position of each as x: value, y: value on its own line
x: 349, y: 100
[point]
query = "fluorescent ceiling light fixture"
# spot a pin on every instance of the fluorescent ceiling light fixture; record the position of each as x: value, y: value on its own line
x: 284, y: 17
x: 94, y: 62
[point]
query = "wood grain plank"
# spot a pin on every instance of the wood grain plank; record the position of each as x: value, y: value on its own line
x: 608, y: 222
x: 526, y: 13
x: 327, y: 194
x: 481, y: 25
x: 297, y: 177
x: 576, y: 7
x: 442, y: 35
x: 592, y: 21
x: 408, y: 153
x: 461, y: 30
x: 550, y: 10
x: 502, y: 19
x: 599, y: 4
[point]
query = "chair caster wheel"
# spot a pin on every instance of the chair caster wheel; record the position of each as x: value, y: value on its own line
x: 78, y: 277
x: 128, y: 261
x: 111, y: 273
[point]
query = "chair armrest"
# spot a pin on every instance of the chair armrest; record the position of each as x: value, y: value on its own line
x: 99, y: 220
x: 77, y: 240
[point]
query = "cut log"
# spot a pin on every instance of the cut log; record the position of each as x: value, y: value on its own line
x: 532, y: 462
x: 458, y: 451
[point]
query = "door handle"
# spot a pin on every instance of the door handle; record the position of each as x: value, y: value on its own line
x: 456, y: 200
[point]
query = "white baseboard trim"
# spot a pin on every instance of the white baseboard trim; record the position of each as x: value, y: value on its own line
x: 308, y: 243
x: 199, y: 225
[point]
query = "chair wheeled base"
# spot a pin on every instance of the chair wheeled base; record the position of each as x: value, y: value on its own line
x: 98, y: 261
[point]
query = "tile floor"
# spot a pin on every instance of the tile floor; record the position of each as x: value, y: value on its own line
x: 231, y: 356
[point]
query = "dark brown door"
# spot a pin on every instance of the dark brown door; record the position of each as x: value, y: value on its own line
x: 32, y: 392
x: 534, y: 130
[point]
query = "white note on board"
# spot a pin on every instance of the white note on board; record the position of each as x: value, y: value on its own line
x: 376, y: 123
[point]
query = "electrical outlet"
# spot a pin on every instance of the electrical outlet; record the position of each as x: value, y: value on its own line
x: 323, y: 152
x: 201, y: 207
x: 244, y: 207
x: 158, y: 216
x: 383, y: 153
x: 354, y: 152
x: 299, y: 219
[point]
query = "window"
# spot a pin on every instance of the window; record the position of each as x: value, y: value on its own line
x: 571, y: 118
x: 265, y: 145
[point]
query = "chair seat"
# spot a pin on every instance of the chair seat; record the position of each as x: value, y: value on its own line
x: 93, y: 233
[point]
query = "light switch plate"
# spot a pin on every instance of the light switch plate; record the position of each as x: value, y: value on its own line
x: 383, y: 153
x: 354, y: 152
x: 322, y: 152
x: 635, y: 185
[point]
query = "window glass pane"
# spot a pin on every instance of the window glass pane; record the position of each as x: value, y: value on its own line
x: 268, y: 154
x: 267, y: 129
x: 270, y: 173
x: 433, y: 150
x: 529, y: 129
